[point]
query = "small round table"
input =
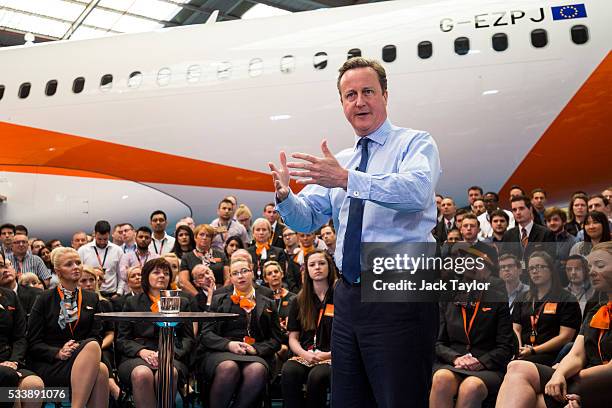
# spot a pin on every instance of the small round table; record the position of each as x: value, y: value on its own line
x: 166, y: 323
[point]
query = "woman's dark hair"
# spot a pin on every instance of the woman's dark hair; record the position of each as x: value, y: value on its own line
x: 578, y: 196
x: 229, y: 240
x: 599, y: 217
x: 177, y: 247
x: 585, y: 267
x: 555, y: 286
x: 148, y: 268
x: 308, y: 312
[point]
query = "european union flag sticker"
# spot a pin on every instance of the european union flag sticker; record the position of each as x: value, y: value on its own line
x: 569, y: 12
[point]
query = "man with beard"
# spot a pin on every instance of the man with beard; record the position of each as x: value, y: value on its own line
x: 138, y: 257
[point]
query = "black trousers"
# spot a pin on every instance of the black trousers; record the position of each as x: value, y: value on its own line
x: 316, y: 378
x: 382, y: 352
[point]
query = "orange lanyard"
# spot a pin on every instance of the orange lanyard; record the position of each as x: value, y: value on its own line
x: 601, y: 333
x: 467, y: 329
x: 72, y: 326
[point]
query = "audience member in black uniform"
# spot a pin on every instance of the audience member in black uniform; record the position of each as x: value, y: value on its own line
x: 90, y: 280
x: 203, y: 253
x: 546, y: 317
x: 310, y: 325
x: 245, y: 256
x: 137, y: 342
x: 278, y: 227
x: 578, y: 207
x: 64, y: 337
x: 262, y: 251
x: 204, y: 281
x: 13, y: 345
x: 584, y: 376
x: 273, y: 275
x: 134, y: 287
x: 26, y: 294
x: 232, y: 244
x: 475, y: 341
x: 239, y: 353
x: 184, y: 241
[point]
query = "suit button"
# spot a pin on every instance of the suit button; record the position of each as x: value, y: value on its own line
x: 356, y: 193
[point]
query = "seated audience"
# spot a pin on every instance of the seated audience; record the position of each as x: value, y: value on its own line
x: 137, y: 342
x: 13, y: 344
x: 584, y: 375
x: 546, y: 317
x: 133, y: 288
x: 262, y: 251
x: 31, y: 280
x: 175, y: 266
x: 238, y: 353
x: 204, y: 282
x: 309, y: 326
x: 23, y: 260
x: 64, y: 337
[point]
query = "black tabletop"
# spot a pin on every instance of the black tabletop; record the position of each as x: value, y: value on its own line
x: 160, y: 317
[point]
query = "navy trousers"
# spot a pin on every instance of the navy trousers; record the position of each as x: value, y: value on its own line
x: 382, y: 352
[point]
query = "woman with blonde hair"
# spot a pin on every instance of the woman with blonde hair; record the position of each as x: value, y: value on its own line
x: 244, y: 216
x: 175, y: 265
x: 262, y: 250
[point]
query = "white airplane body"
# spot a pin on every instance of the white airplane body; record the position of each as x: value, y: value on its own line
x: 211, y: 107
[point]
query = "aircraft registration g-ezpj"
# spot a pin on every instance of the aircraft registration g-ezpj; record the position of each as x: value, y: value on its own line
x: 112, y: 128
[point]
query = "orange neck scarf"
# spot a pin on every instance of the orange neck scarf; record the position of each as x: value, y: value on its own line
x: 601, y: 319
x: 260, y: 247
x: 244, y: 300
x: 155, y: 303
x: 307, y: 250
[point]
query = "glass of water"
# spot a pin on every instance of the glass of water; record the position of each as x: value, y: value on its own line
x: 170, y: 302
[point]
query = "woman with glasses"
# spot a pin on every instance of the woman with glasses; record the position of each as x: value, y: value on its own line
x: 584, y: 376
x: 577, y: 271
x: 546, y: 317
x: 203, y: 253
x: 262, y: 251
x: 238, y: 354
x: 13, y: 343
x: 137, y: 342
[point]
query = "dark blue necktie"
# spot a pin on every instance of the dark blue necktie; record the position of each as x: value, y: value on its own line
x: 351, y: 253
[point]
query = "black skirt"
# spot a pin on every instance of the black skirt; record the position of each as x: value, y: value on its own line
x: 214, y: 358
x: 492, y: 379
x: 128, y: 365
x: 57, y: 373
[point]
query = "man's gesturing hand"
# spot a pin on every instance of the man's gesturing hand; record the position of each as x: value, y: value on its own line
x: 281, y: 177
x: 324, y: 171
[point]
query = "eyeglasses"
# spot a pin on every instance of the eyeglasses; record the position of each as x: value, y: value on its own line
x: 533, y: 268
x: 242, y: 272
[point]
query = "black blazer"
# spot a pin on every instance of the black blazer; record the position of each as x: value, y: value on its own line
x: 46, y: 338
x: 273, y: 254
x: 13, y: 342
x: 491, y: 336
x: 440, y: 232
x: 135, y: 336
x: 538, y: 234
x: 27, y: 295
x: 263, y: 290
x: 268, y: 336
x: 277, y: 236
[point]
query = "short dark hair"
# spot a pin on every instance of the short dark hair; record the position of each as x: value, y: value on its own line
x: 127, y: 223
x: 522, y: 198
x: 538, y: 190
x: 508, y: 255
x: 471, y: 216
x: 148, y: 268
x: 24, y: 229
x: 158, y: 212
x: 585, y: 266
x: 439, y: 195
x: 461, y: 211
x: 475, y: 188
x: 361, y: 62
x: 328, y: 226
x: 269, y: 205
x: 517, y: 187
x: 226, y: 201
x: 144, y: 229
x: 494, y: 194
x: 552, y: 211
x: 500, y: 213
x: 102, y: 227
x: 8, y: 226
x: 604, y: 199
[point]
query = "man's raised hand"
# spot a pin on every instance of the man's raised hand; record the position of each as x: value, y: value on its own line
x: 324, y: 171
x: 281, y: 177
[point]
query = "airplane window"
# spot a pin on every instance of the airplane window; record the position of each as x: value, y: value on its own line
x: 424, y: 49
x: 389, y: 53
x: 224, y: 70
x: 580, y: 34
x: 135, y: 79
x: 499, y: 42
x: 51, y: 87
x: 462, y: 45
x: 163, y: 76
x: 287, y: 65
x: 78, y: 85
x: 194, y: 72
x: 539, y: 38
x: 24, y: 90
x: 106, y: 82
x: 353, y: 52
x: 1, y: 91
x: 320, y: 60
x: 256, y: 67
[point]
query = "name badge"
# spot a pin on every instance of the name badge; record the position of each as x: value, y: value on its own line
x: 329, y: 311
x: 486, y: 309
x: 285, y: 302
x: 550, y: 308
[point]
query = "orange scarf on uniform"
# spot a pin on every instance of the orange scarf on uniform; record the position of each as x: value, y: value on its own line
x: 245, y: 301
x: 260, y: 247
x: 155, y: 303
x: 601, y: 319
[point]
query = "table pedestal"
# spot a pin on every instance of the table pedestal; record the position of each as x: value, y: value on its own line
x: 166, y: 385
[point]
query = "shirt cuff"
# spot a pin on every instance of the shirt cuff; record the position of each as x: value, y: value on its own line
x: 359, y: 185
x: 287, y: 203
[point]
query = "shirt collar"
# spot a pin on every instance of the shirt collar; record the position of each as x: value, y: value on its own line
x: 379, y: 136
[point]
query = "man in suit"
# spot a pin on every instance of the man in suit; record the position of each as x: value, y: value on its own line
x: 448, y: 210
x: 26, y: 294
x: 526, y: 236
x: 278, y: 227
x: 473, y: 193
